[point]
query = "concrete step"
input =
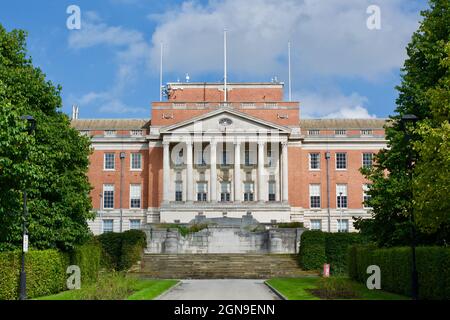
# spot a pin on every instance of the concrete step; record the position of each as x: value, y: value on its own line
x: 220, y: 266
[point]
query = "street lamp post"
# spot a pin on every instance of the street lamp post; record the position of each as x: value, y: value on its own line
x: 122, y: 158
x: 23, y: 276
x: 410, y: 118
x: 341, y: 203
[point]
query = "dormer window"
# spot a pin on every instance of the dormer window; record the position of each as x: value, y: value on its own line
x: 110, y: 133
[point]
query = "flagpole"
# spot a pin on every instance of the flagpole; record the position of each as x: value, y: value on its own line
x: 289, y: 66
x: 225, y: 65
x: 161, y: 73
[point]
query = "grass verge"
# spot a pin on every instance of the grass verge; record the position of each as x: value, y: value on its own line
x: 116, y: 286
x: 303, y: 288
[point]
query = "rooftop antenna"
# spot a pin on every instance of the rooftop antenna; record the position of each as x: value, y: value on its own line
x: 225, y: 64
x: 289, y: 72
x: 161, y: 73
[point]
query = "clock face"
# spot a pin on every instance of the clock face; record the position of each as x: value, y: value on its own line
x: 225, y: 122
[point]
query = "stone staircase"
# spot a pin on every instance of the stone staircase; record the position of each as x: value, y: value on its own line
x: 221, y: 266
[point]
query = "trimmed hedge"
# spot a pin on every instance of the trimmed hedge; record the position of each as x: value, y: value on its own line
x: 122, y: 250
x: 87, y: 257
x: 395, y: 265
x: 312, y: 250
x: 45, y: 269
x: 336, y: 246
x: 317, y: 248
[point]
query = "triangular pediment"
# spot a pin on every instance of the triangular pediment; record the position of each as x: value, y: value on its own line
x: 225, y: 119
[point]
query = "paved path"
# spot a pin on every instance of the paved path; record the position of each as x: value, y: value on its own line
x: 223, y: 289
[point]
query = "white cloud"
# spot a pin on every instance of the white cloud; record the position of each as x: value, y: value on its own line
x: 332, y: 104
x: 131, y: 53
x: 328, y: 37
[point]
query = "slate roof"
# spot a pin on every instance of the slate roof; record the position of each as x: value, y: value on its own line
x: 343, y: 123
x: 110, y: 124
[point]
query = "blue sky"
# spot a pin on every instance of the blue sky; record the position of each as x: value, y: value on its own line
x: 110, y: 67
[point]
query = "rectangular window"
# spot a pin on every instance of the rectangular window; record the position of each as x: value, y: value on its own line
x: 316, y: 224
x: 341, y: 196
x: 225, y: 157
x: 367, y: 160
x: 178, y: 191
x: 340, y: 132
x: 108, y: 225
x: 366, y: 132
x: 135, y: 196
x: 109, y: 161
x: 248, y: 191
x: 110, y: 133
x: 272, y: 190
x: 366, y: 196
x: 341, y: 160
x: 108, y: 196
x: 136, y: 161
x: 269, y: 155
x: 136, y: 133
x: 200, y: 157
x: 135, y: 224
x: 313, y: 132
x: 314, y: 161
x: 342, y: 225
x: 314, y: 195
x: 225, y: 191
x: 201, y: 191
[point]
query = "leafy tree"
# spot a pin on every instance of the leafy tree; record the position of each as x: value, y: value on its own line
x: 51, y: 163
x: 391, y: 177
x: 432, y: 174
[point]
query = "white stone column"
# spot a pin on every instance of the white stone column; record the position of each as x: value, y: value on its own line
x: 261, y: 180
x: 166, y: 172
x: 237, y: 172
x: 189, y: 172
x: 213, y: 171
x: 284, y: 168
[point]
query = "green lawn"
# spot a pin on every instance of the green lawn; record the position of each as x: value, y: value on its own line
x: 295, y: 289
x: 116, y: 288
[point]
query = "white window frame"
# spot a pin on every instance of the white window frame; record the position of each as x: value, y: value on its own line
x: 340, y: 132
x: 133, y: 154
x: 365, y: 188
x: 340, y: 223
x: 103, y: 225
x: 313, y: 132
x: 366, y: 132
x: 310, y: 161
x: 133, y: 195
x: 114, y: 161
x: 133, y: 221
x: 336, y: 160
x: 313, y: 221
x: 105, y: 187
x: 110, y: 133
x: 341, y: 187
x: 362, y: 160
x: 136, y: 133
x: 313, y: 188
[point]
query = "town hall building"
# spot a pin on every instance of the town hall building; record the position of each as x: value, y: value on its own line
x: 215, y: 151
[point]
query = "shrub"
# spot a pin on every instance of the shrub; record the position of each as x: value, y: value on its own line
x: 122, y: 250
x: 312, y: 250
x: 395, y: 265
x: 133, y: 242
x: 290, y: 225
x: 87, y: 257
x: 335, y: 288
x: 317, y: 248
x: 336, y: 246
x: 45, y: 271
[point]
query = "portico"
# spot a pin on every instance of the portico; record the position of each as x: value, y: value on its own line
x: 225, y: 162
